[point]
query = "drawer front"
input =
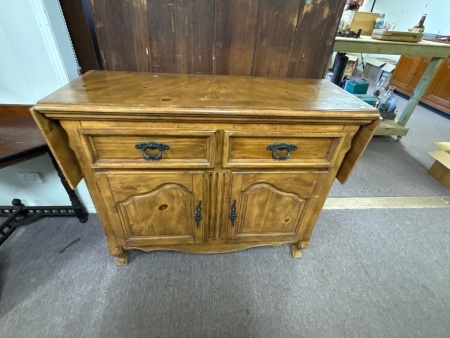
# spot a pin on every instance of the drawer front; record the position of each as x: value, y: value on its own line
x: 143, y: 148
x: 317, y: 150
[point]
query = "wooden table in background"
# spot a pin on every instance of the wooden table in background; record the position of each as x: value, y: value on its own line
x: 437, y: 51
x: 21, y: 140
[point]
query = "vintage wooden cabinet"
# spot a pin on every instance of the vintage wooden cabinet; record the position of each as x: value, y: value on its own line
x: 409, y: 71
x: 203, y: 163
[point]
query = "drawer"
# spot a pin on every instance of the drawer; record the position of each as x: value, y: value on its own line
x: 148, y: 148
x: 267, y: 149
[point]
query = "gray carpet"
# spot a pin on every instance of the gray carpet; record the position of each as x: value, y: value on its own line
x: 368, y: 273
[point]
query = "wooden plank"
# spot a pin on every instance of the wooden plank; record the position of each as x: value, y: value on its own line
x: 194, y: 36
x: 391, y: 127
x: 314, y: 37
x: 80, y: 34
x: 58, y: 142
x: 236, y: 34
x: 359, y: 144
x: 141, y: 39
x: 277, y: 24
x: 162, y: 36
x: 365, y: 44
x: 113, y: 24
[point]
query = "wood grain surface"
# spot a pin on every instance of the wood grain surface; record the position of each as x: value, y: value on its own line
x: 20, y: 138
x: 131, y: 93
x: 289, y: 38
x: 219, y: 185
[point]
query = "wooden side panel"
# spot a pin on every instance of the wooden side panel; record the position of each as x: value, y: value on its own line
x: 277, y: 27
x: 291, y: 38
x: 58, y: 142
x: 194, y: 36
x: 236, y: 34
x: 80, y: 34
x: 114, y: 26
x: 314, y: 37
x: 359, y: 144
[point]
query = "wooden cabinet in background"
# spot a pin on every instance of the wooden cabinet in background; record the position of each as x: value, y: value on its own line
x: 205, y: 164
x: 409, y: 71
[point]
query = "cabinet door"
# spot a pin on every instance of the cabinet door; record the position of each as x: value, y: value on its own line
x: 156, y: 208
x: 271, y: 206
x: 418, y: 73
x: 405, y: 72
x: 438, y: 93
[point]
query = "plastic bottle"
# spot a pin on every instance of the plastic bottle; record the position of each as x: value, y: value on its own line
x: 379, y: 22
x: 380, y: 87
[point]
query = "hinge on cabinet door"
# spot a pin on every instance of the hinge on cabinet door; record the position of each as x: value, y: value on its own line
x: 198, y: 213
x: 233, y: 214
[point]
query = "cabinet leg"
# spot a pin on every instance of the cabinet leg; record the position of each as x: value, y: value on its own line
x: 296, y: 252
x: 123, y: 258
x: 303, y: 244
x: 121, y: 254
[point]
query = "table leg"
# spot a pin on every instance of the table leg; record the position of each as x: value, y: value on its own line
x: 78, y: 207
x: 419, y: 91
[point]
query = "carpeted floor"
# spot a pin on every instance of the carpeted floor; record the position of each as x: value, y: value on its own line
x: 368, y: 273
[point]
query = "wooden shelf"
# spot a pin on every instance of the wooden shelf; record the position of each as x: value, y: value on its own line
x: 390, y: 127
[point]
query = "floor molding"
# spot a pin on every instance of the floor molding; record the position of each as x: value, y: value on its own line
x: 387, y: 202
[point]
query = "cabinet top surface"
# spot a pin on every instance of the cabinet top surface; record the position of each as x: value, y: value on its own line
x: 132, y: 92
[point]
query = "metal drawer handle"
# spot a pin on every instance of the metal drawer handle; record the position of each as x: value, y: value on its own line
x: 198, y: 213
x: 152, y: 146
x: 233, y: 214
x: 281, y: 147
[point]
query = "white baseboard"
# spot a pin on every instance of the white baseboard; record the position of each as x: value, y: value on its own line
x: 90, y: 209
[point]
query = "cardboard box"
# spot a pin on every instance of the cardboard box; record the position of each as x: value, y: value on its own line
x: 441, y: 167
x: 364, y: 21
x: 356, y: 86
x: 351, y: 64
x: 377, y: 67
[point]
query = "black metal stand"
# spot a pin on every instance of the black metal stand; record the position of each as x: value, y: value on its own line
x: 18, y: 214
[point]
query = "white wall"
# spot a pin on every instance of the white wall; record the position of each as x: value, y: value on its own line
x: 36, y: 58
x: 406, y: 13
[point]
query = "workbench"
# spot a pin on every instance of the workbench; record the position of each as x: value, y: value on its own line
x: 365, y: 44
x: 21, y: 140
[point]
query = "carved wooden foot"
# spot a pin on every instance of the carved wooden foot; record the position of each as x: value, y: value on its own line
x: 295, y: 250
x: 120, y: 253
x: 304, y: 244
x: 122, y: 259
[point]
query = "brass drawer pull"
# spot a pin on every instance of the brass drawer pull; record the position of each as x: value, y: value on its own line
x: 281, y: 147
x: 152, y: 146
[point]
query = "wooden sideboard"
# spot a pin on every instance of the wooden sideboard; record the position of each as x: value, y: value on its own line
x: 202, y: 163
x: 408, y: 73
